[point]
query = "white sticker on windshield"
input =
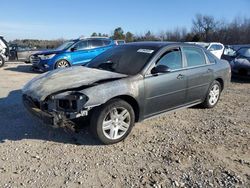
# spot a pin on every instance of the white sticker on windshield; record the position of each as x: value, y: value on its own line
x: 148, y: 51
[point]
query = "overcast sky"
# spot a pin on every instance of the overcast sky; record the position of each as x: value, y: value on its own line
x: 48, y: 19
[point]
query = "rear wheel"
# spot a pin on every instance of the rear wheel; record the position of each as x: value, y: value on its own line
x: 112, y: 122
x: 213, y: 95
x: 1, y: 61
x: 62, y: 64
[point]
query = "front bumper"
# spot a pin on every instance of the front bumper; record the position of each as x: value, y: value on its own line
x: 6, y: 58
x: 54, y: 118
x: 39, y: 64
x: 35, y: 111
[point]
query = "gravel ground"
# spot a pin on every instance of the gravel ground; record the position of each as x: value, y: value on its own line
x: 189, y: 148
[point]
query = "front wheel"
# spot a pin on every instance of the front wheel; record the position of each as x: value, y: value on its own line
x: 213, y: 95
x: 113, y: 121
x: 1, y: 61
x: 62, y: 64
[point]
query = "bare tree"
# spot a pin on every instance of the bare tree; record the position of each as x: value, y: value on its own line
x: 204, y: 26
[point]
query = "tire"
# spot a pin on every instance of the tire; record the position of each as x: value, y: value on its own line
x: 107, y: 124
x: 62, y: 64
x: 1, y: 61
x: 28, y: 61
x: 213, y: 95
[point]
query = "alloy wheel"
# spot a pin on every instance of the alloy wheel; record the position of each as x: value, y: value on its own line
x: 214, y: 94
x: 116, y: 123
x: 62, y: 64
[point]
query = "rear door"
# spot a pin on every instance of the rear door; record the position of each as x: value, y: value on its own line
x: 199, y: 74
x: 97, y: 46
x: 166, y: 91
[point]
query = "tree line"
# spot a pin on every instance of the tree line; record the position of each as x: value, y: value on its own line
x: 39, y: 44
x: 205, y: 28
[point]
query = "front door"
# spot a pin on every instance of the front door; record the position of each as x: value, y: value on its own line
x: 166, y: 91
x: 81, y: 53
x: 22, y: 53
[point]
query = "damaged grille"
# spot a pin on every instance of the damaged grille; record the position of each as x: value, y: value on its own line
x: 35, y: 60
x: 67, y: 104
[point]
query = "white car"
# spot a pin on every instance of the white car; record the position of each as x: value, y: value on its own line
x: 3, y: 51
x: 215, y: 48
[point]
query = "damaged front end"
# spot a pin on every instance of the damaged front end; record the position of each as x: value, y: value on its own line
x: 57, y: 97
x: 59, y: 110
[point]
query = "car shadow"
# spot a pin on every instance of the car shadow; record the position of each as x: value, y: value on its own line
x: 17, y: 124
x: 25, y: 68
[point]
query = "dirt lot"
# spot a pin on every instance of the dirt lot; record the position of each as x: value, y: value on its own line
x: 189, y: 148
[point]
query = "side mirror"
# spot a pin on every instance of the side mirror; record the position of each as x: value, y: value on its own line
x: 160, y: 69
x: 73, y: 49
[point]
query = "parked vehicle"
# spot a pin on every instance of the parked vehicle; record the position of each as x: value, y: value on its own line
x: 214, y: 47
x: 240, y: 61
x: 22, y: 53
x: 4, y: 51
x: 2, y: 61
x: 71, y: 53
x: 127, y: 84
x: 229, y: 52
x: 119, y: 42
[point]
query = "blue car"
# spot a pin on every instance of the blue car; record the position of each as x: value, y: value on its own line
x: 71, y: 53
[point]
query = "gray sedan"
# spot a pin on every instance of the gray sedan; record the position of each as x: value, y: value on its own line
x: 22, y: 53
x: 128, y: 84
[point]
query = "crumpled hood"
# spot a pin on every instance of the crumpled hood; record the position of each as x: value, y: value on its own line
x: 62, y: 79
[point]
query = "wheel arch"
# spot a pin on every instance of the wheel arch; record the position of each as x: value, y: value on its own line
x: 133, y: 102
x: 54, y: 66
x: 220, y: 80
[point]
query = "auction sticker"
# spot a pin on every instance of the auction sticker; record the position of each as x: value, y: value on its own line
x: 148, y: 51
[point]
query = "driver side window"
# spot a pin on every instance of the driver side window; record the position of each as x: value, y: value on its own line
x: 172, y: 59
x: 81, y: 45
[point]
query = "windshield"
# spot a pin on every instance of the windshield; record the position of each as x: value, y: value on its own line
x: 65, y: 45
x: 244, y: 52
x: 128, y: 59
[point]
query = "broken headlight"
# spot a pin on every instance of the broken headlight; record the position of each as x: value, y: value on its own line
x: 69, y: 101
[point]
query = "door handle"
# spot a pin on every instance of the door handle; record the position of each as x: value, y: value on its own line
x: 180, y: 76
x: 209, y: 70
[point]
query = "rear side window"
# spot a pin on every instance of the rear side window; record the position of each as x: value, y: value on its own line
x: 172, y: 59
x: 194, y: 56
x: 106, y: 42
x: 96, y: 43
x: 119, y: 42
x: 215, y: 47
x: 211, y: 58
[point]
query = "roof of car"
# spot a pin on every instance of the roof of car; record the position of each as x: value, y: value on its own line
x: 95, y: 38
x: 158, y: 44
